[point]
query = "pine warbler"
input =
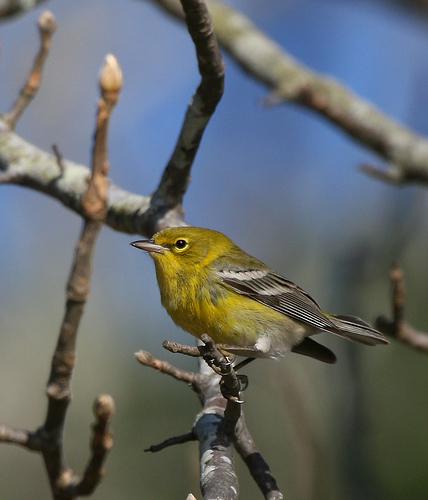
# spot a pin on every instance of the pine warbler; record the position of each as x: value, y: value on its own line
x: 209, y: 285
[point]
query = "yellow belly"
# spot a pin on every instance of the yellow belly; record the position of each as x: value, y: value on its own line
x: 234, y: 319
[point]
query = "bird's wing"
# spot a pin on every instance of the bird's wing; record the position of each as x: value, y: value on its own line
x: 275, y: 291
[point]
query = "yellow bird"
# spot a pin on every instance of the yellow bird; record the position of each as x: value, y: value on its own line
x: 209, y: 285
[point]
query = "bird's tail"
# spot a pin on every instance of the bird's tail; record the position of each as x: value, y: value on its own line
x: 356, y: 329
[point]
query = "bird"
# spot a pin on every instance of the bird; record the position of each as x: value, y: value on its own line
x: 209, y: 285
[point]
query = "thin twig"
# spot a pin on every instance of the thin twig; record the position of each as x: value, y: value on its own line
x: 146, y: 359
x: 184, y: 438
x: 102, y: 442
x: 166, y: 203
x: 58, y: 156
x: 26, y: 439
x: 397, y: 328
x: 258, y: 467
x: 188, y: 350
x: 47, y: 26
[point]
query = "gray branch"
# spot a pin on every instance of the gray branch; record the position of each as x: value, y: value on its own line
x: 10, y: 8
x: 404, y: 151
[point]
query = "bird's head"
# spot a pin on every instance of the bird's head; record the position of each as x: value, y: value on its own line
x: 185, y: 246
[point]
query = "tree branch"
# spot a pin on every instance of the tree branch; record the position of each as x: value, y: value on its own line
x: 220, y: 425
x: 49, y: 438
x: 405, y: 152
x: 102, y: 442
x: 146, y: 359
x: 47, y: 26
x: 29, y: 166
x: 11, y: 8
x: 168, y: 197
x: 94, y: 206
x: 255, y: 462
x: 397, y: 328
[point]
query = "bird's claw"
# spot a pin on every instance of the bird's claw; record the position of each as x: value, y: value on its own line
x: 243, y: 382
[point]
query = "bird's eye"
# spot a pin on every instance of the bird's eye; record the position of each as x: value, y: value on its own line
x: 180, y: 244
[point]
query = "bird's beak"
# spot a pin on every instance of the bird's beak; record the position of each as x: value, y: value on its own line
x: 148, y: 246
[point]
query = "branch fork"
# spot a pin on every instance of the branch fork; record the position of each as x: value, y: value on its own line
x: 220, y: 426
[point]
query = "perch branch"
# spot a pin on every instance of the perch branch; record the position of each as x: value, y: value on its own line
x: 146, y: 359
x: 397, y: 328
x: 218, y: 478
x: 220, y: 425
x: 188, y: 350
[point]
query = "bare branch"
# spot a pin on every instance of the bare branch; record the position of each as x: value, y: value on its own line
x: 49, y: 438
x: 168, y: 197
x: 47, y: 26
x: 184, y: 438
x: 220, y: 425
x: 215, y: 359
x: 218, y: 476
x: 26, y: 165
x: 146, y: 359
x: 94, y: 204
x: 215, y: 446
x: 102, y: 442
x: 255, y: 462
x: 404, y: 151
x: 29, y: 440
x: 397, y: 327
x: 10, y: 8
x: 188, y: 350
x: 58, y: 157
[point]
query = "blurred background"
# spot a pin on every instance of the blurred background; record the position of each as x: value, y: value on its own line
x: 285, y: 185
